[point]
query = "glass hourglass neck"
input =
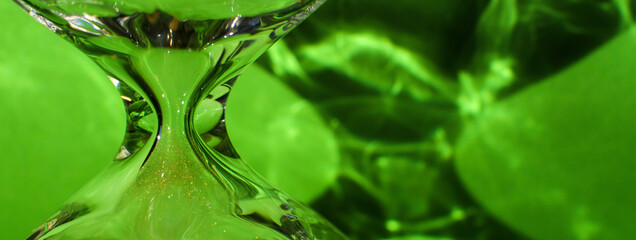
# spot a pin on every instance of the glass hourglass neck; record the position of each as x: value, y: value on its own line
x: 168, y: 182
x: 169, y: 63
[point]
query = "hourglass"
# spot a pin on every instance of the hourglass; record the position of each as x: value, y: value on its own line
x: 177, y: 175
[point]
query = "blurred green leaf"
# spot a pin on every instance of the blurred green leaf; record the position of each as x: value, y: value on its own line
x: 281, y: 136
x: 372, y: 60
x: 61, y: 122
x: 558, y: 160
x: 373, y: 87
x: 417, y: 237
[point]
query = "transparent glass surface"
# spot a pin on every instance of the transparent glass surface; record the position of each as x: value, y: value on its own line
x: 176, y: 175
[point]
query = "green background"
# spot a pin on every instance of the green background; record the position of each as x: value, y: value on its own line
x: 553, y: 159
x: 60, y: 122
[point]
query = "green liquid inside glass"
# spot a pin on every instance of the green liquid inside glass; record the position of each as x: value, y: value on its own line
x: 177, y: 176
x: 182, y: 9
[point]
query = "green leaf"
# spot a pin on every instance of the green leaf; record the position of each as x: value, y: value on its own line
x: 558, y: 160
x: 61, y: 122
x: 373, y: 61
x: 418, y: 237
x: 281, y: 136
